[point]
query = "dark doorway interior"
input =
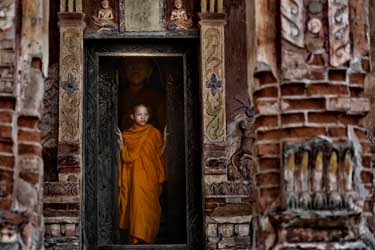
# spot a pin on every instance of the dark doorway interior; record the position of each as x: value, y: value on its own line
x: 171, y: 92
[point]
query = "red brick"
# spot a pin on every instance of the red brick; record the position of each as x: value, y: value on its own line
x: 366, y: 161
x: 265, y: 77
x: 292, y: 89
x: 368, y: 206
x: 266, y: 121
x: 292, y: 118
x: 356, y: 92
x: 349, y: 119
x: 357, y: 78
x: 63, y: 169
x: 30, y: 177
x: 366, y: 148
x: 318, y: 74
x: 5, y: 133
x: 367, y: 177
x: 29, y: 149
x: 268, y: 196
x: 266, y: 92
x: 6, y: 147
x: 28, y: 135
x: 267, y: 179
x: 269, y: 163
x: 299, y: 132
x: 7, y: 103
x: 6, y: 187
x: 5, y: 204
x: 7, y: 161
x: 337, y: 132
x: 327, y: 89
x: 360, y: 134
x: 27, y: 121
x: 366, y: 64
x: 301, y: 104
x: 337, y: 75
x: 323, y: 117
x: 6, y: 117
x: 267, y: 107
x: 268, y: 149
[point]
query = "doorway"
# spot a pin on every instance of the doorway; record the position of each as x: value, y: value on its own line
x: 171, y: 92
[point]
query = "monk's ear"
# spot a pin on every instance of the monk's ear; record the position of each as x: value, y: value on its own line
x: 132, y: 117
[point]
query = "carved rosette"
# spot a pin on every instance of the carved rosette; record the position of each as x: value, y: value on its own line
x: 213, y: 87
x: 70, y: 81
x: 339, y: 35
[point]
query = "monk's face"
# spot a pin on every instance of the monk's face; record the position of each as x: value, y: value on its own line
x: 137, y: 71
x: 140, y: 115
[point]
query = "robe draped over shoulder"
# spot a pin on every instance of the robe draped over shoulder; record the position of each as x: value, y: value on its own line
x: 141, y: 171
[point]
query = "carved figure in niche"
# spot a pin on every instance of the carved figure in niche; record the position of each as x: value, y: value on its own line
x: 7, y: 13
x: 137, y: 73
x: 241, y: 162
x: 105, y: 17
x: 141, y: 174
x: 179, y: 18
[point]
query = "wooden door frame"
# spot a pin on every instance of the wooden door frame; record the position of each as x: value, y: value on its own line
x: 185, y: 48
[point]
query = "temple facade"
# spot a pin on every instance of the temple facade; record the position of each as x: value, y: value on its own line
x: 269, y: 107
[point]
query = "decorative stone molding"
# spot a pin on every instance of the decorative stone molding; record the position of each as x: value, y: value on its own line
x: 213, y: 80
x: 319, y: 176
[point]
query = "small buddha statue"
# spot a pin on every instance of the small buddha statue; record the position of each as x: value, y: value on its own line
x: 179, y: 18
x: 104, y: 19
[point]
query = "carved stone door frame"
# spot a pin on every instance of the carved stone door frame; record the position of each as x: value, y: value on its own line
x: 94, y: 237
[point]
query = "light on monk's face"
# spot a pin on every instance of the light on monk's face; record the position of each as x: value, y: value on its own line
x: 140, y: 115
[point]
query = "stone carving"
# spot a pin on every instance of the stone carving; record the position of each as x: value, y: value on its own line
x: 49, y: 121
x: 292, y: 21
x: 215, y: 166
x: 59, y: 188
x: 179, y: 18
x: 241, y: 164
x: 228, y: 188
x: 315, y: 35
x: 7, y: 14
x: 105, y: 17
x: 213, y: 90
x: 339, y: 39
x: 305, y: 168
x: 69, y: 86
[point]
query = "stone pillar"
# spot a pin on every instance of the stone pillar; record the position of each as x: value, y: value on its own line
x: 63, y: 225
x: 312, y: 88
x: 23, y: 63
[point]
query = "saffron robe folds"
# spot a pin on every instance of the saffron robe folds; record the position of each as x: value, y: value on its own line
x: 141, y: 172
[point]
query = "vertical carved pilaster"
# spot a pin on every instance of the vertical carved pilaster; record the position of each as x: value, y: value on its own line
x: 213, y: 81
x: 339, y: 30
x: 70, y: 90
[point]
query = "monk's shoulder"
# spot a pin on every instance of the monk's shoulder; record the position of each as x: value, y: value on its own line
x: 154, y: 132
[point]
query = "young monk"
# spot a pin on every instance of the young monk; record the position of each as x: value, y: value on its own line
x: 141, y: 174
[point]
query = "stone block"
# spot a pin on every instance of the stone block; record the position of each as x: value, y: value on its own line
x: 146, y: 15
x: 226, y: 230
x: 242, y: 229
x: 226, y: 242
x: 211, y: 230
x: 53, y: 230
x: 69, y: 230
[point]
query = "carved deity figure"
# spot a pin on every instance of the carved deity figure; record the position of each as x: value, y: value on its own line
x: 105, y: 17
x: 179, y: 17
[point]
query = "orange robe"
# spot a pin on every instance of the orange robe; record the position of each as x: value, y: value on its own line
x: 141, y: 173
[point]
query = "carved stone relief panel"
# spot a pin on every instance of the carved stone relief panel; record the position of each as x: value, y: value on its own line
x: 213, y: 87
x: 146, y: 15
x: 339, y: 30
x: 70, y: 94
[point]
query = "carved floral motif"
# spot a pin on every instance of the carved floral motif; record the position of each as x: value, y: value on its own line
x: 213, y: 89
x: 69, y: 86
x: 339, y: 39
x: 292, y: 21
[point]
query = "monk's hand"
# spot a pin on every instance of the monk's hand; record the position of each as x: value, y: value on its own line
x: 120, y: 140
x: 165, y: 134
